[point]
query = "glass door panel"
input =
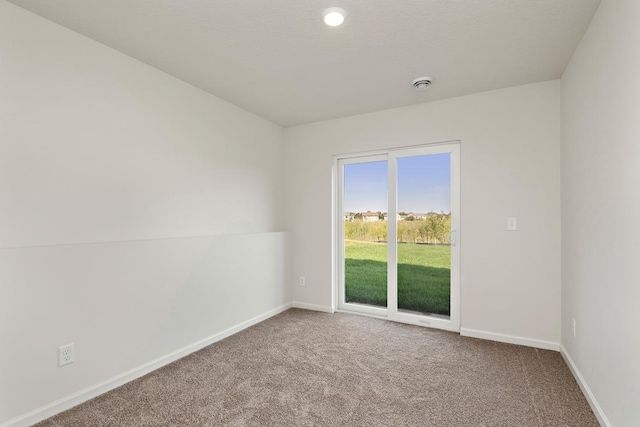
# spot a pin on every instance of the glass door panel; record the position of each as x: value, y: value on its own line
x: 364, y: 236
x: 423, y: 226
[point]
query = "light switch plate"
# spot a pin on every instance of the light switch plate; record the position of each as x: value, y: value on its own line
x: 512, y: 224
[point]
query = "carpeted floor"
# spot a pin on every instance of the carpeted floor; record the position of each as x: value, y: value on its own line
x: 304, y: 368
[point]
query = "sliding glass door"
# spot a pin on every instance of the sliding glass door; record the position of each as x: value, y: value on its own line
x: 364, y: 233
x: 397, y: 240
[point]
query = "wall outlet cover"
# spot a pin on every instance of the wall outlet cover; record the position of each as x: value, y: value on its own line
x: 66, y: 354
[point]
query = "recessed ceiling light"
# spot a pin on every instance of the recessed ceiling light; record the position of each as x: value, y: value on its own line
x: 333, y: 16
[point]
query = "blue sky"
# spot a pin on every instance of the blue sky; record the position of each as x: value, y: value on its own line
x: 423, y: 185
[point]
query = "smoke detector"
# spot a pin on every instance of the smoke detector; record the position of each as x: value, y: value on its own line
x: 422, y: 83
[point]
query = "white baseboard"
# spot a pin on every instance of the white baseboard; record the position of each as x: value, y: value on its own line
x: 510, y: 339
x: 595, y: 406
x: 314, y: 307
x: 88, y: 393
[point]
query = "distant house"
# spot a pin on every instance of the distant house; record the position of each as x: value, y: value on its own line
x: 369, y: 216
x: 386, y: 217
x: 349, y: 216
x: 417, y: 215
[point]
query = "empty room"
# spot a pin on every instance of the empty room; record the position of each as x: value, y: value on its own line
x: 319, y: 213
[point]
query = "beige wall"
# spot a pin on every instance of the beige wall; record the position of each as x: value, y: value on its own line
x: 510, y: 168
x: 601, y: 210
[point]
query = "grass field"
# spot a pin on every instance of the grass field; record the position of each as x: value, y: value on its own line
x: 423, y: 276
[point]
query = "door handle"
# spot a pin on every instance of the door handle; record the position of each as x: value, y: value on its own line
x: 452, y: 237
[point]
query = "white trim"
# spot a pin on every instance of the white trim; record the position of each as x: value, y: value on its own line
x: 425, y: 321
x: 335, y: 226
x: 313, y: 307
x: 389, y: 150
x: 363, y: 158
x: 88, y: 393
x: 336, y: 235
x: 146, y: 239
x: 595, y: 406
x: 419, y: 320
x: 359, y: 313
x: 453, y: 322
x: 364, y: 308
x: 392, y: 237
x: 338, y: 288
x: 510, y: 339
x: 391, y: 311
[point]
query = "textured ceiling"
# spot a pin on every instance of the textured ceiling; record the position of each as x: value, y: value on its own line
x: 278, y: 60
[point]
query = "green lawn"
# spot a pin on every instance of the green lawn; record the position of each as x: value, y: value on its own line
x: 423, y: 276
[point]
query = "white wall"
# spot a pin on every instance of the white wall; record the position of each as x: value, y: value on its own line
x: 510, y: 167
x: 124, y: 305
x: 601, y: 210
x: 97, y: 146
x: 106, y: 165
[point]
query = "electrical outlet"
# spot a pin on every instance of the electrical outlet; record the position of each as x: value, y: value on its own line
x: 65, y: 355
x: 302, y: 281
x: 574, y: 327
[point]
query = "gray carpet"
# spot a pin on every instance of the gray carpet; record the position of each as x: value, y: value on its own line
x: 304, y: 368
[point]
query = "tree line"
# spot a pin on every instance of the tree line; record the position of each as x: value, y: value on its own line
x: 434, y: 229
